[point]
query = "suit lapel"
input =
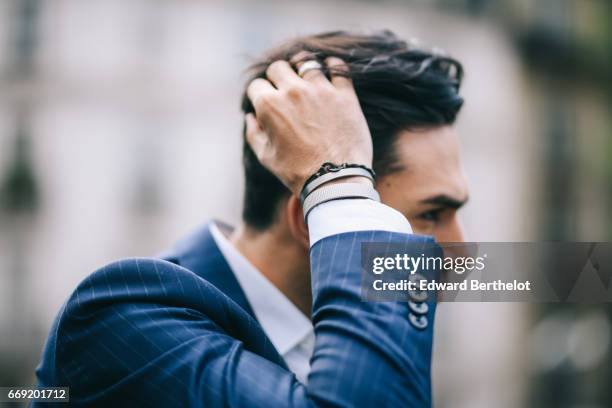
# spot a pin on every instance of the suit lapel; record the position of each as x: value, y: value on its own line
x: 199, y: 253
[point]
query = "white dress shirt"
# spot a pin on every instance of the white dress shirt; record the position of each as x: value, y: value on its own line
x: 290, y: 331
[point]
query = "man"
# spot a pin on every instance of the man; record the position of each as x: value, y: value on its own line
x: 270, y: 314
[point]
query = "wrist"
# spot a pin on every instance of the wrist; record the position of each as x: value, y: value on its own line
x: 330, y: 172
x: 338, y: 191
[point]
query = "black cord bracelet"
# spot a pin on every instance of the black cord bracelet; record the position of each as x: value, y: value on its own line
x: 329, y: 167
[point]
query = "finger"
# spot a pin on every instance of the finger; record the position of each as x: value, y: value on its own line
x: 302, y: 56
x: 257, y: 89
x: 281, y: 74
x: 338, y: 71
x: 255, y: 135
x: 311, y: 75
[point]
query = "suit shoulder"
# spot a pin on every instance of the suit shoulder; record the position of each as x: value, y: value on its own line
x: 138, y: 280
x: 125, y: 315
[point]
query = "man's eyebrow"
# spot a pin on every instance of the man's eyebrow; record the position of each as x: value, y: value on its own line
x: 443, y: 200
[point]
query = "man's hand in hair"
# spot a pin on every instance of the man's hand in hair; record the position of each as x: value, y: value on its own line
x: 302, y: 122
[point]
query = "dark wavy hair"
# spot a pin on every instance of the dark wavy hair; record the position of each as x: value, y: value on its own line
x: 399, y: 87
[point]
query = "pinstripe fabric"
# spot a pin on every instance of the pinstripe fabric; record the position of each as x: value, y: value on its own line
x: 148, y: 332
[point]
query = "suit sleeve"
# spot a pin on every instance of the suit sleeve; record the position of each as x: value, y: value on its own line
x: 134, y: 335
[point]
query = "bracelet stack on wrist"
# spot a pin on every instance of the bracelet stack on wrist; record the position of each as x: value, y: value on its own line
x: 315, y: 192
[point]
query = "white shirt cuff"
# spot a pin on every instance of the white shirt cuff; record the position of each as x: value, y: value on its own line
x: 339, y: 216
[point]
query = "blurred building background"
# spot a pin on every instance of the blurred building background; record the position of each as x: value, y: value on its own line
x: 120, y: 131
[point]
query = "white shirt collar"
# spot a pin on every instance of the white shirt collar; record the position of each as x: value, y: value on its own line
x: 282, y: 321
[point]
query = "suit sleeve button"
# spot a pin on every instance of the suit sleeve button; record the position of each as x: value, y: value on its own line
x: 418, y: 322
x: 419, y: 308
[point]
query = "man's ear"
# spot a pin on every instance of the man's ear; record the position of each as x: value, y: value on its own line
x: 295, y: 220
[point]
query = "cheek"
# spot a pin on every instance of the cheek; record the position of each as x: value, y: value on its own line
x: 422, y: 227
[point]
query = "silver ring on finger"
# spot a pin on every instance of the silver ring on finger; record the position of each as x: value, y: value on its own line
x: 308, y: 66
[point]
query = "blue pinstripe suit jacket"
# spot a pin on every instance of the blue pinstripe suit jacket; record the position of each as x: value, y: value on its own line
x: 179, y: 332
